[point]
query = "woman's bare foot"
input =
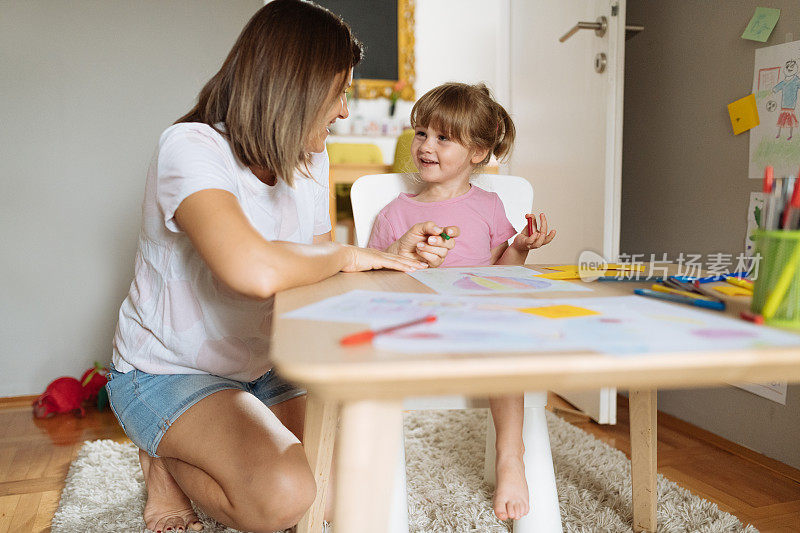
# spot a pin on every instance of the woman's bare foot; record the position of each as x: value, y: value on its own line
x: 511, y: 493
x: 167, y: 507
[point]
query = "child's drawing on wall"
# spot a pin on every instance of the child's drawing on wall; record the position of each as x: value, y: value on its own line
x: 755, y: 212
x: 788, y: 89
x: 776, y: 86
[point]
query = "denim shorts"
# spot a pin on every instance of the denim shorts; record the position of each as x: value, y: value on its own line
x: 146, y: 405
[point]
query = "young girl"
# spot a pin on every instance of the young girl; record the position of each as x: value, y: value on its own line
x: 458, y: 127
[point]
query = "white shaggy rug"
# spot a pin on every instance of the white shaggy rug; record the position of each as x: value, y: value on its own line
x: 444, y: 454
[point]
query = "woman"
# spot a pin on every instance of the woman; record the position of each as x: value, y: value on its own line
x: 236, y: 209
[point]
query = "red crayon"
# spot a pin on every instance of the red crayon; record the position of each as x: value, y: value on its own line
x: 530, y: 224
x: 369, y: 334
x: 752, y: 317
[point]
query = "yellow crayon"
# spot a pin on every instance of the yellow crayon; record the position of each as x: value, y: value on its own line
x: 670, y: 290
x: 740, y: 282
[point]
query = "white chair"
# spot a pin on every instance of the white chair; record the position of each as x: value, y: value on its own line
x: 369, y: 195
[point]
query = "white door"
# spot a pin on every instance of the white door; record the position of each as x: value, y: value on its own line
x: 569, y: 133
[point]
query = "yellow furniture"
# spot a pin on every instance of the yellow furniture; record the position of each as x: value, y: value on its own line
x: 403, y: 163
x: 349, y: 161
x: 354, y: 154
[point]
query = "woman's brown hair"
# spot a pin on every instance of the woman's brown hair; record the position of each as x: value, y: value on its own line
x: 275, y: 85
x: 468, y: 115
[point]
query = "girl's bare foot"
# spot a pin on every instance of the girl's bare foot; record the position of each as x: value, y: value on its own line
x: 511, y: 493
x: 167, y: 507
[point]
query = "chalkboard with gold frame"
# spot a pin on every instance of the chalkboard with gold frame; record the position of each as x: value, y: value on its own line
x: 381, y: 73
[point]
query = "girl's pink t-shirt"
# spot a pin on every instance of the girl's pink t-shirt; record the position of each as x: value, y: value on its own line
x: 479, y: 215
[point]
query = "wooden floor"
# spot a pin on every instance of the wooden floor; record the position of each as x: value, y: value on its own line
x: 35, y: 456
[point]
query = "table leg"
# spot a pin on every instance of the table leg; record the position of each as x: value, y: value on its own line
x: 366, y: 458
x: 319, y: 435
x: 642, y: 408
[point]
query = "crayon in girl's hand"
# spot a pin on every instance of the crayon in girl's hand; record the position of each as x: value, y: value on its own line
x: 445, y: 236
x: 530, y: 224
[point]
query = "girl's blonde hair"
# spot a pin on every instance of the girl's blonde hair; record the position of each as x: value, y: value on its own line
x: 275, y: 85
x: 468, y: 115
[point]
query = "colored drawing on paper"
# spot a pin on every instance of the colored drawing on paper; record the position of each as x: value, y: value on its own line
x: 620, y: 326
x: 776, y: 82
x: 490, y: 280
x: 755, y: 211
x: 723, y: 333
x: 472, y: 281
x: 559, y: 311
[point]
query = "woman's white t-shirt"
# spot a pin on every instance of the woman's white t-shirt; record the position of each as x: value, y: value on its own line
x: 178, y: 318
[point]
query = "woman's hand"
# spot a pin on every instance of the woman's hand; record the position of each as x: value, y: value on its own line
x: 361, y: 259
x: 537, y: 238
x: 423, y: 241
x: 242, y: 259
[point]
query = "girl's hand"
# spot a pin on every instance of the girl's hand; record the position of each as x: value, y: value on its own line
x: 423, y: 242
x: 361, y: 259
x: 538, y: 238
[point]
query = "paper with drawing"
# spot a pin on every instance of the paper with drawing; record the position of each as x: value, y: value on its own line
x: 491, y: 280
x: 621, y: 325
x: 776, y: 141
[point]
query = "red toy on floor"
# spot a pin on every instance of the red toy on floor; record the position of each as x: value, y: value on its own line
x: 67, y: 394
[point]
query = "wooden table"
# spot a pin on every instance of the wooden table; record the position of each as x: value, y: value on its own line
x: 366, y: 386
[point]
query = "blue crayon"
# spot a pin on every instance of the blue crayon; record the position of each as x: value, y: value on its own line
x: 708, y: 304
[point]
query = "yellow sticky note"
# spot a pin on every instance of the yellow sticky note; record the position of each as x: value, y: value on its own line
x: 559, y: 311
x: 732, y: 290
x: 566, y: 274
x: 744, y: 114
x: 626, y: 266
x: 562, y: 268
x: 613, y: 266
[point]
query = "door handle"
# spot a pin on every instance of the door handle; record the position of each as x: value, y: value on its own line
x: 632, y: 30
x: 600, y: 26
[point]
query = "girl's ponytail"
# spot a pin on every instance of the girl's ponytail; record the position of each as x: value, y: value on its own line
x: 505, y: 134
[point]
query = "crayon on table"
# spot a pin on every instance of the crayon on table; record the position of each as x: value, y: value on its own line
x: 630, y: 278
x: 670, y: 290
x: 755, y: 318
x: 369, y: 334
x: 708, y: 304
x: 739, y: 282
x: 676, y: 283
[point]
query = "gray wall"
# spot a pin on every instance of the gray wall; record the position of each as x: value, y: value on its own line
x: 684, y: 174
x: 86, y: 87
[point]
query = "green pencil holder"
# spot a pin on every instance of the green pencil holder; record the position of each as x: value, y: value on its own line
x: 776, y: 289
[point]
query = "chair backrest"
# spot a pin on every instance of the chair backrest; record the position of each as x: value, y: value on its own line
x: 354, y: 154
x: 370, y: 194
